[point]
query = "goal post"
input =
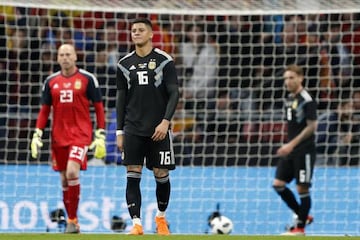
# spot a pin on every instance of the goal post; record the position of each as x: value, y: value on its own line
x: 229, y: 121
x: 201, y: 7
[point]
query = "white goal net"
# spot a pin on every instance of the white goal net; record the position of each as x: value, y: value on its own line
x: 230, y: 57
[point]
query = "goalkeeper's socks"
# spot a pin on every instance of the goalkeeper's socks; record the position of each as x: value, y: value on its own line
x: 73, y: 196
x: 66, y: 199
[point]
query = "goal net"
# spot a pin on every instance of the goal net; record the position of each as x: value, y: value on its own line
x: 230, y: 57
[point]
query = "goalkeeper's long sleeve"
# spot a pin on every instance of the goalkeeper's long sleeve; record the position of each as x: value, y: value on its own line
x: 100, y: 115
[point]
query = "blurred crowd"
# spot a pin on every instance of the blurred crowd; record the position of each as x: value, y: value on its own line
x: 230, y: 70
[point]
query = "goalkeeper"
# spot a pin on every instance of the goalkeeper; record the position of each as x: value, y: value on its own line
x: 69, y: 94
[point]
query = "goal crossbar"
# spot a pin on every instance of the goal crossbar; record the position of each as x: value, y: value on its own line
x: 200, y: 7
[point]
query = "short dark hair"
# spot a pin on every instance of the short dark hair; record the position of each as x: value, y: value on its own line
x: 145, y: 21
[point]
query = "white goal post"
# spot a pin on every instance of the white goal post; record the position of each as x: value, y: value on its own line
x: 197, y: 7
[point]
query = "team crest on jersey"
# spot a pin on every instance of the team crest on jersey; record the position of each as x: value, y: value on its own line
x: 152, y: 65
x: 294, y: 104
x: 77, y: 84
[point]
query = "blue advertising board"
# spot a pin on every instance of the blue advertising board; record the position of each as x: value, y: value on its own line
x: 245, y: 195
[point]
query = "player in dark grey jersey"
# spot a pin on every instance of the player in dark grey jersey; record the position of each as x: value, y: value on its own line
x: 298, y: 154
x: 147, y: 95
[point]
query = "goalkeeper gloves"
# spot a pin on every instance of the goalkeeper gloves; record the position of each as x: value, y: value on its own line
x: 99, y: 144
x: 36, y: 142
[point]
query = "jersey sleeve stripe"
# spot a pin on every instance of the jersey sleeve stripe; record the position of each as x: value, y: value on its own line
x: 159, y: 73
x: 127, y: 56
x: 163, y: 53
x: 49, y: 79
x: 125, y: 72
x: 306, y: 96
x: 91, y: 76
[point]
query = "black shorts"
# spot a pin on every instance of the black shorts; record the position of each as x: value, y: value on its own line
x: 140, y: 150
x: 298, y: 165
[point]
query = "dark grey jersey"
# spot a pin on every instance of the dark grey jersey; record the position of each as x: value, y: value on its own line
x: 148, y: 91
x: 299, y: 109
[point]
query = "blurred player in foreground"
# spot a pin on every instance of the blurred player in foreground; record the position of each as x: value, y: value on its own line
x: 70, y: 92
x: 147, y: 96
x: 299, y: 153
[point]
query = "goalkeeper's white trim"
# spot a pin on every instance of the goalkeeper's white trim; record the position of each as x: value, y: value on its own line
x: 119, y: 132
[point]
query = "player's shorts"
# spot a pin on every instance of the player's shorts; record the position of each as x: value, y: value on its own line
x: 298, y: 165
x: 61, y: 155
x: 140, y: 150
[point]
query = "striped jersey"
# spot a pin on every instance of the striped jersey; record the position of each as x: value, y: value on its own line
x: 148, y: 83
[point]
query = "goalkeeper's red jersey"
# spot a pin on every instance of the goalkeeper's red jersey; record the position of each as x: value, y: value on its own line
x: 70, y: 99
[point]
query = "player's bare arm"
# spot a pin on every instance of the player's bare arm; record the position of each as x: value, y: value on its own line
x: 309, y: 130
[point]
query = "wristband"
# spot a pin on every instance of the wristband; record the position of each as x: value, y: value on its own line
x: 38, y: 132
x: 119, y: 132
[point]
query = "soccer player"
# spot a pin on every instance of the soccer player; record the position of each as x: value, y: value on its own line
x: 69, y: 93
x: 147, y: 95
x: 299, y: 153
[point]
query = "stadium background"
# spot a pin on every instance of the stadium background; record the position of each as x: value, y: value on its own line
x: 225, y: 148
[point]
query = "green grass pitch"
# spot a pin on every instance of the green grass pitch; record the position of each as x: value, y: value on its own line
x: 58, y: 236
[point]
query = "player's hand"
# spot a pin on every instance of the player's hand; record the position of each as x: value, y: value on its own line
x: 99, y: 144
x: 161, y: 130
x: 36, y: 142
x: 284, y: 150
